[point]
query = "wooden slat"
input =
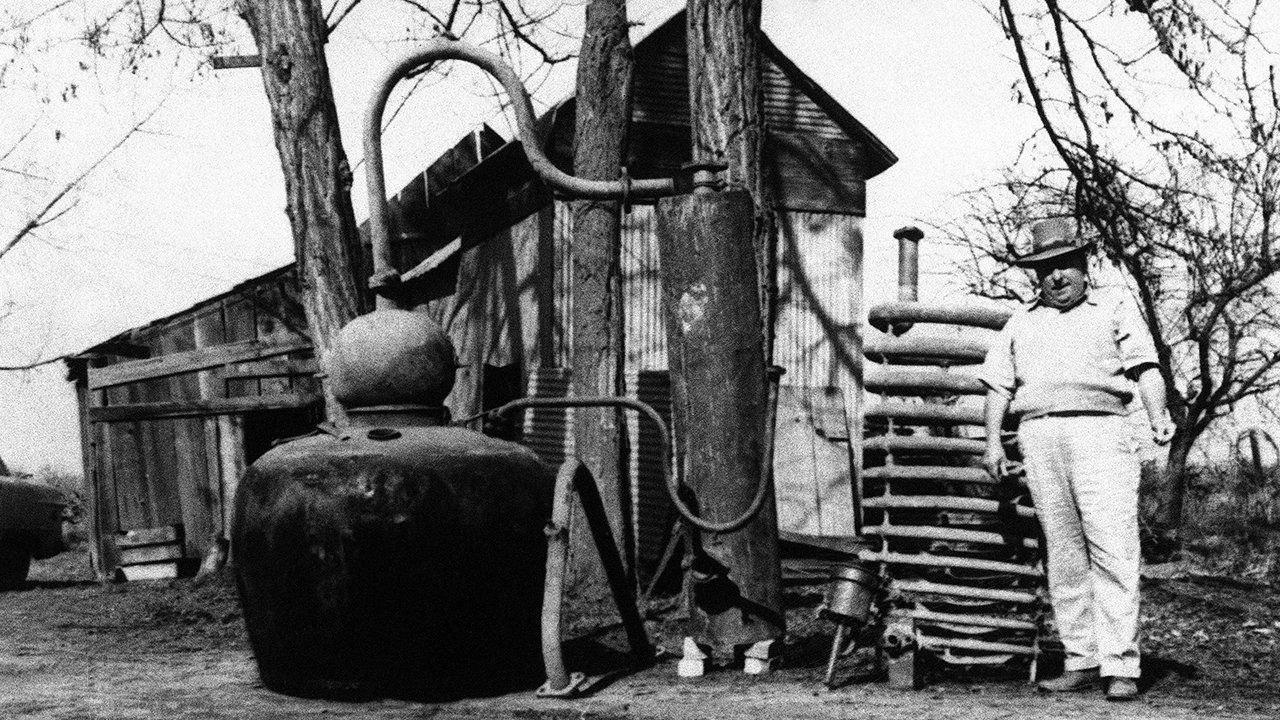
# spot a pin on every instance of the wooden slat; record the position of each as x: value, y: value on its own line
x: 233, y: 62
x: 197, y: 408
x: 149, y: 554
x: 161, y: 535
x: 190, y: 361
x: 231, y: 459
x: 274, y: 368
x: 127, y: 476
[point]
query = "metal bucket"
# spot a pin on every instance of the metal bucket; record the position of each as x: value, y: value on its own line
x: 852, y: 588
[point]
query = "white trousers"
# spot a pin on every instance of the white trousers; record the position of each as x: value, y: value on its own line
x: 1083, y: 473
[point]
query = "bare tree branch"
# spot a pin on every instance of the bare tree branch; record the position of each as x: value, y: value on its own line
x: 47, y: 213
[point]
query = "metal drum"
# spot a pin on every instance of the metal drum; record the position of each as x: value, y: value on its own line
x: 403, y: 558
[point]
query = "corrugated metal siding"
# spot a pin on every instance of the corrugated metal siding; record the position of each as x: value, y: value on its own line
x: 786, y: 107
x: 819, y: 296
x: 661, y: 91
x: 646, y: 340
x: 549, y: 431
x: 651, y: 511
x: 642, y: 293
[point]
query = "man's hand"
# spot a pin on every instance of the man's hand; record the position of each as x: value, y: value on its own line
x: 995, y: 460
x: 1151, y: 387
x: 1162, y: 430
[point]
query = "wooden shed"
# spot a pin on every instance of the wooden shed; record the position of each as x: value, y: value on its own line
x: 173, y: 411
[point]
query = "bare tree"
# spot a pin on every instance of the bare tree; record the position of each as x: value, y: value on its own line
x: 603, y: 113
x: 25, y: 37
x: 1168, y: 147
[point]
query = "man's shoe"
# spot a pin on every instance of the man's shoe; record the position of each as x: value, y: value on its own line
x: 1072, y: 681
x: 1120, y: 689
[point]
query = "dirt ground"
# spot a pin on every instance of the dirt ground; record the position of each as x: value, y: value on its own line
x: 71, y: 648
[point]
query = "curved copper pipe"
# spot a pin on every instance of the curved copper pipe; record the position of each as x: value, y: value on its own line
x: 445, y: 49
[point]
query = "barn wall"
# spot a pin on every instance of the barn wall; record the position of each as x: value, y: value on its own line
x: 156, y: 472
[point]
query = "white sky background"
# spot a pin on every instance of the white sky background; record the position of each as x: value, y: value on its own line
x: 195, y: 204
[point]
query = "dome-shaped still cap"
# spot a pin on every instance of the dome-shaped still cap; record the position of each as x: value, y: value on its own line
x: 391, y: 357
x: 1052, y: 238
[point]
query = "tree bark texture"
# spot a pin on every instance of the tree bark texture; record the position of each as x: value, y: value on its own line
x: 726, y: 101
x: 603, y: 111
x: 290, y: 35
x: 719, y: 407
x: 1169, y: 517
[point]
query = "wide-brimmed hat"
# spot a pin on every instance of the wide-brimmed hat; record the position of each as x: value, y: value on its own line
x: 1052, y: 238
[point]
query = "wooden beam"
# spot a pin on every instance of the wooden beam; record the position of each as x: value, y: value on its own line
x: 189, y: 361
x: 233, y: 62
x: 274, y: 369
x: 200, y: 408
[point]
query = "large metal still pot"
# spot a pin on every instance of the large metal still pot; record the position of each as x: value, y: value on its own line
x: 400, y: 558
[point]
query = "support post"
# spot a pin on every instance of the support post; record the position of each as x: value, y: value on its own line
x: 719, y: 404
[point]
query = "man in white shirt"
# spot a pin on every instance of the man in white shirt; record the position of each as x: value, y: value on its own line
x: 1066, y: 365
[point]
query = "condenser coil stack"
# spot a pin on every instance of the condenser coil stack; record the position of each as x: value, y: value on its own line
x: 960, y: 551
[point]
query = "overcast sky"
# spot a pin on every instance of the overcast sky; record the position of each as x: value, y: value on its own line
x: 195, y: 204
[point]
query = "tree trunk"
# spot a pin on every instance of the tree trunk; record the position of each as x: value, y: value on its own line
x: 719, y: 404
x: 726, y: 109
x: 717, y: 356
x: 1169, y: 516
x: 603, y: 111
x: 290, y: 35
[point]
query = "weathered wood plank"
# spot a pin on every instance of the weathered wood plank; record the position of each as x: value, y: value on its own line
x: 231, y: 458
x: 190, y: 361
x: 108, y: 510
x: 187, y: 471
x: 274, y: 369
x: 241, y: 326
x: 133, y: 502
x: 197, y: 408
x: 162, y: 535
